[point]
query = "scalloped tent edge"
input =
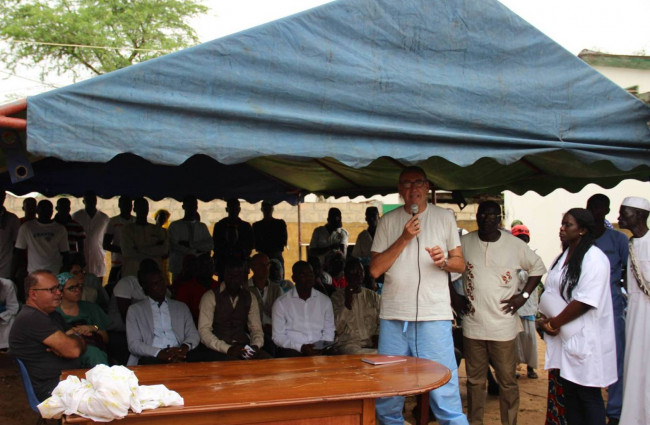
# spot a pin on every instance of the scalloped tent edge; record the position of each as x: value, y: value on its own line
x: 335, y: 101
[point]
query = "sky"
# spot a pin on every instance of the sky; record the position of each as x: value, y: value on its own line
x: 618, y: 27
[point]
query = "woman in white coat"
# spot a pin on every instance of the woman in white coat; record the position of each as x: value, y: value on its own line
x: 578, y: 321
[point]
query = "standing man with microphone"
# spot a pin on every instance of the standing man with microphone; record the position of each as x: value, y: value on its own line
x: 416, y: 246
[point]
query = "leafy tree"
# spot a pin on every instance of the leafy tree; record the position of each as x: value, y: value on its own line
x: 122, y: 32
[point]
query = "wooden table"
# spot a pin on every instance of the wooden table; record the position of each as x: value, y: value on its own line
x: 332, y: 390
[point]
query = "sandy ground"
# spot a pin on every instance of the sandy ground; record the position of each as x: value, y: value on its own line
x: 14, y: 409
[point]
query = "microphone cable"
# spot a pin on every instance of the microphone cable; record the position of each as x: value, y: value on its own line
x: 417, y: 299
x: 414, y: 210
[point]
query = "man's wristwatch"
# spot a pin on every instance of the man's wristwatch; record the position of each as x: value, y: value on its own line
x: 444, y: 266
x: 525, y: 294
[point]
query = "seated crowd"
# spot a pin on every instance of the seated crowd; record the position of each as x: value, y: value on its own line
x: 148, y: 314
x: 182, y: 294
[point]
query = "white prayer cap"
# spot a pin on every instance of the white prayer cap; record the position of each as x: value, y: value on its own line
x: 636, y: 202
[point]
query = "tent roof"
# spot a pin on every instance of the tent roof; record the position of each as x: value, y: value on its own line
x: 335, y: 99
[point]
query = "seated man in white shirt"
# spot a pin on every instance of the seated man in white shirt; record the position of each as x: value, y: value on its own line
x: 303, y: 318
x: 128, y: 291
x: 159, y: 329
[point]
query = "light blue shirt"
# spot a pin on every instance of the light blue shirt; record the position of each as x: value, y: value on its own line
x: 163, y: 334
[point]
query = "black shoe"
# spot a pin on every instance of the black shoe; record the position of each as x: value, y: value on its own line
x: 613, y: 421
x: 531, y: 373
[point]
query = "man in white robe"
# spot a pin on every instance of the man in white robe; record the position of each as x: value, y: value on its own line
x: 633, y: 216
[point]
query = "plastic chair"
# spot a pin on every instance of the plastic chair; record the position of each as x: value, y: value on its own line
x: 29, y: 390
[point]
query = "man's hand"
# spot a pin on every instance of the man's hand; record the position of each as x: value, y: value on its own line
x: 412, y: 227
x: 437, y: 255
x: 309, y: 350
x: 236, y: 351
x: 166, y: 355
x: 512, y: 304
x: 179, y: 354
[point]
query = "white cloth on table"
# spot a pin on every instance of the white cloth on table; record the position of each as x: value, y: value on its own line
x: 107, y: 393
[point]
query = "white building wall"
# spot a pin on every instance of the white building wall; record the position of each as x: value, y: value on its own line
x: 543, y: 215
x: 625, y: 77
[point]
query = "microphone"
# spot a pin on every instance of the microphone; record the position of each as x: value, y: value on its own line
x: 414, y: 209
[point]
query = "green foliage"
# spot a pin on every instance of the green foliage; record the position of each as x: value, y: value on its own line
x: 133, y: 31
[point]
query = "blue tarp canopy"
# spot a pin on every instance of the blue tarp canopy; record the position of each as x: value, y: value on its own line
x: 337, y: 99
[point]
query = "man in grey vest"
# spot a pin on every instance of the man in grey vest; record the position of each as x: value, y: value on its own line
x: 229, y: 318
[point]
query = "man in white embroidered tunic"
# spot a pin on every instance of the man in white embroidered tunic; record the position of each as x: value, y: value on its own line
x: 636, y: 378
x: 491, y: 326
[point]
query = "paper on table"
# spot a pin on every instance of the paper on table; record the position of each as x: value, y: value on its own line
x: 550, y: 305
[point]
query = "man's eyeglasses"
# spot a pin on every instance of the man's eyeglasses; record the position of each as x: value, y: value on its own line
x: 412, y: 183
x: 75, y: 288
x: 53, y: 290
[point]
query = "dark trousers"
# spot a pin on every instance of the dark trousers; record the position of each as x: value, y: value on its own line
x: 198, y: 354
x: 287, y: 352
x: 583, y: 405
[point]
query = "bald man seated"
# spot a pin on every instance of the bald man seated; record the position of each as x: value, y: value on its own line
x: 40, y: 336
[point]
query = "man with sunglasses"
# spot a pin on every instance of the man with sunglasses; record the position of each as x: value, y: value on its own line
x: 416, y: 247
x: 490, y: 326
x: 40, y: 337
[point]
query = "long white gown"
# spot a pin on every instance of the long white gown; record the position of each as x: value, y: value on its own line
x: 636, y: 379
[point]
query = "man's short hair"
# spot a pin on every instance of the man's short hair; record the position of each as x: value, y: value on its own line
x: 32, y: 279
x: 599, y: 199
x: 486, y: 204
x: 334, y: 211
x: 147, y: 266
x: 413, y: 169
x: 351, y: 263
x: 235, y: 264
x: 372, y: 210
x: 299, y: 265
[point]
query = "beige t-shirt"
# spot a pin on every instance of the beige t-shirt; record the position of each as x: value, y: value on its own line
x: 400, y: 292
x: 491, y: 276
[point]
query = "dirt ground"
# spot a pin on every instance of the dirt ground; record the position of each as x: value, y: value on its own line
x: 14, y: 409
